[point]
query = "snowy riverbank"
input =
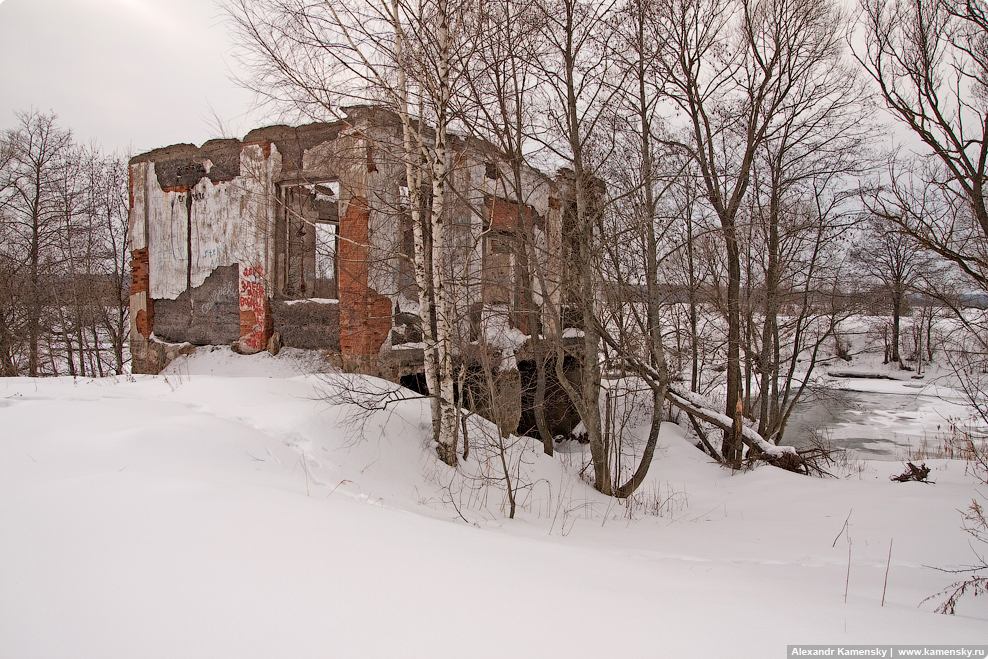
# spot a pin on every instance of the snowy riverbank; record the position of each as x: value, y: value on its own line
x: 213, y: 516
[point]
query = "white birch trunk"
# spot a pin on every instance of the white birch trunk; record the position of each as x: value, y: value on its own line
x: 413, y: 180
x: 444, y: 308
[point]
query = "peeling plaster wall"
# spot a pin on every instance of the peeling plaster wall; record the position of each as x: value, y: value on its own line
x: 217, y: 230
x: 167, y: 235
x: 141, y: 304
x: 384, y: 228
x: 228, y: 223
x: 206, y: 219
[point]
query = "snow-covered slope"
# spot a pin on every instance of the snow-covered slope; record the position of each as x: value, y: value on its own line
x: 202, y: 515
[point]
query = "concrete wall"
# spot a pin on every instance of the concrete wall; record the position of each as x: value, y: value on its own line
x: 206, y: 314
x: 309, y: 324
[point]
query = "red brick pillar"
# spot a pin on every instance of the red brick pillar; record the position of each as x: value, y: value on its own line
x: 140, y: 282
x: 365, y: 315
x: 256, y: 324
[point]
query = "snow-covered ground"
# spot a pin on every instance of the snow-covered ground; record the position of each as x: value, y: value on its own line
x: 198, y: 514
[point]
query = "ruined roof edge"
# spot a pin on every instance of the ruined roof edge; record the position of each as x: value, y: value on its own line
x: 304, y: 133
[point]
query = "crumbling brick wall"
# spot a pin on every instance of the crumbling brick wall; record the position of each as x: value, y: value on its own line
x: 365, y: 314
x: 227, y: 208
x: 256, y: 324
x: 140, y: 283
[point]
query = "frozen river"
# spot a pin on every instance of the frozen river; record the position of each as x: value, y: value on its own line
x: 877, y: 419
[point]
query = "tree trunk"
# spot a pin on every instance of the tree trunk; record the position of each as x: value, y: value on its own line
x: 732, y: 445
x: 628, y: 488
x: 424, y: 261
x: 444, y: 305
x: 896, y: 316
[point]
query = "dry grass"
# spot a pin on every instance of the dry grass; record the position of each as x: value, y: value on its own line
x: 958, y: 442
x: 658, y: 500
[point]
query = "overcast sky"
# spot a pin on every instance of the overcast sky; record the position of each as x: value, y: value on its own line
x: 130, y: 74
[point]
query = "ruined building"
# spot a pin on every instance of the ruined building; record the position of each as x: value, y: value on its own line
x: 301, y: 237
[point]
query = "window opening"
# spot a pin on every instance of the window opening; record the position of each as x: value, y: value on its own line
x: 309, y: 239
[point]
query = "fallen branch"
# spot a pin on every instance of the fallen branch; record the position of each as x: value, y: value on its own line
x: 703, y: 438
x: 913, y: 473
x: 694, y: 404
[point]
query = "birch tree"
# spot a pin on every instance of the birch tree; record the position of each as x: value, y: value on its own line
x: 317, y: 57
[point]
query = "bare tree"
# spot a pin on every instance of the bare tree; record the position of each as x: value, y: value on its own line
x: 898, y: 263
x: 576, y: 80
x: 62, y: 255
x: 11, y: 337
x: 499, y: 107
x: 929, y: 59
x: 802, y: 189
x: 733, y: 69
x: 11, y: 321
x: 107, y: 205
x: 632, y: 232
x: 40, y: 152
x: 801, y: 303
